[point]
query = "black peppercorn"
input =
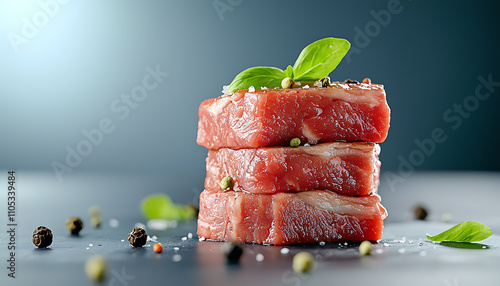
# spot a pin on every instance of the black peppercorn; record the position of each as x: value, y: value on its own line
x: 74, y: 225
x: 42, y: 237
x: 420, y: 212
x: 232, y: 251
x: 137, y: 237
x: 351, y: 81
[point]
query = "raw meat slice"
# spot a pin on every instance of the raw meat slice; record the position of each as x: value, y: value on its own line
x: 289, y: 218
x: 346, y: 168
x: 340, y: 112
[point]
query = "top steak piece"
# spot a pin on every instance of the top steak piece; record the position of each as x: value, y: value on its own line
x: 272, y: 117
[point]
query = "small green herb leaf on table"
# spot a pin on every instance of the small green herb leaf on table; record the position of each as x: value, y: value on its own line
x: 467, y: 231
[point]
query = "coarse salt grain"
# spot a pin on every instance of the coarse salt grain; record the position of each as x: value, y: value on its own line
x: 225, y: 89
x: 141, y: 225
x: 158, y: 224
x: 122, y: 240
x: 259, y: 257
x: 251, y: 89
x: 177, y: 257
x: 184, y: 238
x: 190, y: 235
x: 322, y: 243
x: 88, y: 248
x: 284, y: 250
x: 263, y: 88
x: 307, y: 144
x: 201, y: 238
x: 176, y: 248
x: 114, y: 223
x: 305, y: 86
x: 90, y: 245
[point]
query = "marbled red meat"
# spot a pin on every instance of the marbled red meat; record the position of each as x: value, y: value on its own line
x: 346, y: 168
x: 340, y: 112
x: 289, y: 218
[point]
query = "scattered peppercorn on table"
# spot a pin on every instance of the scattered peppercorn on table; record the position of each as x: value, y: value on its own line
x: 402, y: 256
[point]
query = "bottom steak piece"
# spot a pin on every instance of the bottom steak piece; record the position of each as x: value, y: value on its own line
x: 289, y: 218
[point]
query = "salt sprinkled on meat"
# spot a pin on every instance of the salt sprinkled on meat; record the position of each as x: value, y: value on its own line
x: 176, y: 257
x: 307, y: 145
x: 251, y: 89
x: 284, y: 250
x: 201, y: 238
x: 263, y: 88
x: 305, y: 86
x: 259, y: 257
x: 225, y: 89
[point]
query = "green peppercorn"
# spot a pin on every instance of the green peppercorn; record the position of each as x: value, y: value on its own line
x: 137, y: 237
x: 287, y: 82
x: 303, y: 262
x: 42, y: 237
x: 95, y: 268
x: 295, y: 142
x: 365, y: 248
x: 74, y: 225
x: 94, y: 211
x: 227, y: 183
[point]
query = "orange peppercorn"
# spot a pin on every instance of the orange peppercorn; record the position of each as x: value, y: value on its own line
x: 158, y: 248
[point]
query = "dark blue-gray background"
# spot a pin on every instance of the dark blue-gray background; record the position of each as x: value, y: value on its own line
x: 64, y: 66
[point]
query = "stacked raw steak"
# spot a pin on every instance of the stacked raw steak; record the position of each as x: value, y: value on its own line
x: 324, y: 190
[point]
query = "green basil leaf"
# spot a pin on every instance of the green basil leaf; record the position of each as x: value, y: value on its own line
x: 466, y: 231
x: 289, y: 71
x: 319, y: 59
x: 257, y: 77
